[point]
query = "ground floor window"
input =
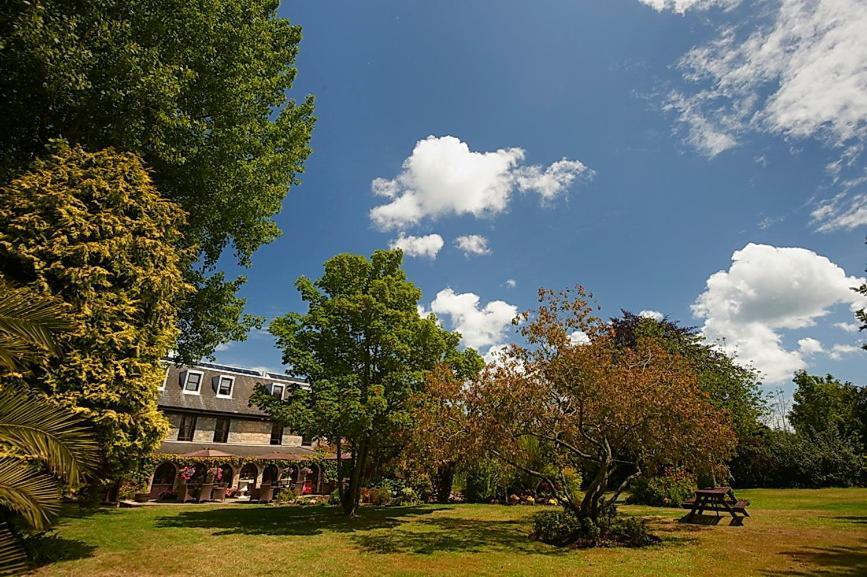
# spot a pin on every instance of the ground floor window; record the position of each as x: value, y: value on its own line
x: 221, y: 430
x: 276, y: 434
x: 187, y: 428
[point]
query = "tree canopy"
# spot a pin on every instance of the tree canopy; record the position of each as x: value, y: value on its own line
x: 827, y: 404
x: 198, y: 88
x: 730, y: 386
x: 364, y: 351
x: 599, y: 405
x: 90, y: 229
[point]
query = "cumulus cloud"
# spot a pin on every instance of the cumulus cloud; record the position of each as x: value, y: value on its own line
x: 848, y: 327
x: 480, y: 326
x: 511, y: 283
x: 655, y: 315
x: 425, y: 246
x: 838, y: 351
x: 799, y: 73
x: 473, y: 244
x: 810, y: 346
x: 444, y: 177
x: 579, y: 338
x: 767, y: 290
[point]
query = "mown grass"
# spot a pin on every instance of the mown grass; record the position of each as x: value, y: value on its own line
x: 791, y: 533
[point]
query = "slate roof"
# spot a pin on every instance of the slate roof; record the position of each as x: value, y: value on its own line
x: 173, y: 398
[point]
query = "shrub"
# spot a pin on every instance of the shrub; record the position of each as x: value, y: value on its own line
x: 286, y: 496
x: 379, y: 497
x: 168, y: 496
x: 334, y: 498
x: 556, y: 527
x: 565, y: 528
x: 776, y: 458
x: 484, y: 482
x: 667, y: 490
x: 630, y: 531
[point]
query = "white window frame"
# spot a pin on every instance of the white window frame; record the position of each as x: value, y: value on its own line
x: 282, y: 389
x: 162, y: 387
x: 187, y: 378
x: 231, y: 386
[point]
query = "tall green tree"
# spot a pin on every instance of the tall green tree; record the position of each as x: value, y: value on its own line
x: 365, y: 351
x: 41, y: 443
x: 91, y: 230
x: 827, y: 404
x: 198, y: 88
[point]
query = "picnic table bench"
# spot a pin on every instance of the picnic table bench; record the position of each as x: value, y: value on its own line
x: 717, y: 499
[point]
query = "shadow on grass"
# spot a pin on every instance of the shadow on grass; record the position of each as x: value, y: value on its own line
x: 49, y: 548
x: 834, y: 561
x: 290, y: 520
x: 856, y: 519
x: 450, y: 534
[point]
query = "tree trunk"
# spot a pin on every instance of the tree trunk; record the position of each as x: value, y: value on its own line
x: 350, y: 499
x: 595, y: 491
x: 443, y: 481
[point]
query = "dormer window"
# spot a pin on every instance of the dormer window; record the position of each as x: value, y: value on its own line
x: 193, y: 383
x: 224, y: 386
x: 277, y: 390
x: 162, y: 387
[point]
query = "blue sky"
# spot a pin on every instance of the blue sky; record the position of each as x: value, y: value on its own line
x: 632, y: 146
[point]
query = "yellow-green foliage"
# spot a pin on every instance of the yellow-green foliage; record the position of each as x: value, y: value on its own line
x: 91, y: 229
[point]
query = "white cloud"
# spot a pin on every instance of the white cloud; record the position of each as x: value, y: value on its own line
x: 511, y: 283
x: 799, y: 73
x: 655, y: 315
x: 681, y: 6
x: 838, y: 351
x: 425, y: 246
x: 810, y: 346
x: 841, y: 213
x: 479, y: 326
x: 766, y: 290
x: 222, y: 347
x: 473, y: 244
x: 444, y: 177
x: 495, y: 355
x: 550, y: 181
x: 579, y: 338
x: 848, y: 327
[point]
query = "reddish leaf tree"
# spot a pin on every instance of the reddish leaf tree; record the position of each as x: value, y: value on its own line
x: 593, y: 403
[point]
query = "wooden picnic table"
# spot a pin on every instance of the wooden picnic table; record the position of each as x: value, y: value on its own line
x: 718, y: 499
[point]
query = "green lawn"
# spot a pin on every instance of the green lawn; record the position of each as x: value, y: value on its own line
x: 792, y: 532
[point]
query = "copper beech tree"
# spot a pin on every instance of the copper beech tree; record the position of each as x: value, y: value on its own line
x: 591, y: 403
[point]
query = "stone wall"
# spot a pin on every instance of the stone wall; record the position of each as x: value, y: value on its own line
x: 248, y: 432
x: 241, y: 431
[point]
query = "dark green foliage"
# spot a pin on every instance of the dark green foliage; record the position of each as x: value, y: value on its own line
x: 825, y: 403
x: 667, y: 490
x: 631, y: 532
x: 556, y: 527
x: 365, y: 352
x: 198, y: 88
x: 486, y: 480
x: 775, y: 458
x: 563, y: 527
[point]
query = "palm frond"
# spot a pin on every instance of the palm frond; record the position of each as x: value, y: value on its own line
x: 49, y: 433
x: 12, y: 558
x: 29, y: 320
x: 33, y: 495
